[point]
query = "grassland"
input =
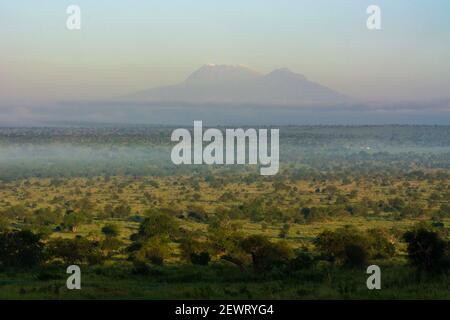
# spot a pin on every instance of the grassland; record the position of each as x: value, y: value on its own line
x: 389, y: 179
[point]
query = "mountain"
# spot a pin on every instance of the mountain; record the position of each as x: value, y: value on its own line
x: 214, y: 84
x: 212, y: 73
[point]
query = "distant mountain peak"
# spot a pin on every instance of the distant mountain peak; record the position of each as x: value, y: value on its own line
x: 238, y: 84
x: 226, y: 66
x: 221, y: 72
x: 282, y: 70
x: 286, y: 73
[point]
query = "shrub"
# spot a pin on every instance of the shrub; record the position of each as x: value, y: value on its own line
x: 284, y: 232
x: 110, y: 230
x: 380, y: 245
x: 20, y: 249
x: 189, y: 246
x: 110, y: 244
x: 157, y: 224
x: 340, y: 246
x: 348, y: 246
x: 303, y: 260
x: 75, y: 251
x: 355, y: 255
x: 426, y: 250
x: 121, y: 211
x: 4, y: 223
x: 265, y: 254
x: 154, y: 250
x: 72, y: 220
x: 397, y: 203
x: 140, y: 267
x: 201, y: 258
x: 198, y: 216
x: 314, y: 214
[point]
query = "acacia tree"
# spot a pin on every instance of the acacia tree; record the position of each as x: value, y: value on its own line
x: 111, y: 230
x: 150, y: 243
x: 73, y: 220
x: 344, y: 246
x: 20, y: 249
x: 265, y: 254
x: 426, y: 250
x: 158, y: 224
x: 75, y: 251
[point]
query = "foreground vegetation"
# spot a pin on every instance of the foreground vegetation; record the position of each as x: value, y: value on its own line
x: 345, y: 198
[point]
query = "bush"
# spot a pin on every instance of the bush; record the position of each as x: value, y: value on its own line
x: 303, y: 260
x: 111, y: 230
x: 20, y: 249
x: 190, y: 246
x: 4, y: 223
x: 339, y: 246
x: 50, y: 272
x: 355, y: 255
x: 426, y: 250
x: 154, y: 250
x: 73, y: 220
x: 121, y: 211
x: 284, y: 232
x: 201, y: 258
x: 110, y: 244
x: 351, y: 247
x: 380, y: 246
x: 265, y: 254
x: 141, y: 268
x: 75, y: 251
x: 314, y: 214
x: 157, y: 224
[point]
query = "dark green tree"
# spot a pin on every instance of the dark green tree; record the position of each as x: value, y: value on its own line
x: 426, y: 250
x: 20, y: 249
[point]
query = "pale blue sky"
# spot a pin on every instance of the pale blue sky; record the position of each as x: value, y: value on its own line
x: 125, y: 46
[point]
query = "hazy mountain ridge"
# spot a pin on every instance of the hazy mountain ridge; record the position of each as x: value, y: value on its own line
x: 241, y: 85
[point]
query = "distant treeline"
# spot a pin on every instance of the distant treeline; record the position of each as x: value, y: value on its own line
x: 305, y: 152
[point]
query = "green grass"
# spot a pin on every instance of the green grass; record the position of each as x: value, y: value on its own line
x: 221, y: 281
